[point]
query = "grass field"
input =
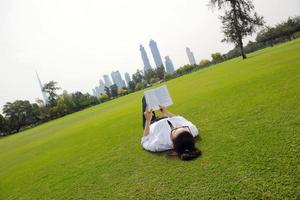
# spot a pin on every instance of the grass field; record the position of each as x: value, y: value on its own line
x: 248, y: 113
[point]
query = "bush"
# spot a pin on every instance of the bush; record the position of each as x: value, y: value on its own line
x: 104, y: 97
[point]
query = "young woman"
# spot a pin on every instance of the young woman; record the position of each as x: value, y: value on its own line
x: 169, y: 132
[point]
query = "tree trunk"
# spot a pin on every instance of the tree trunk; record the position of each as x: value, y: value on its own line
x: 237, y: 29
x: 242, y: 48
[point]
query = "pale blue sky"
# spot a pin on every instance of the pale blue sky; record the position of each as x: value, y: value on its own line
x: 75, y: 42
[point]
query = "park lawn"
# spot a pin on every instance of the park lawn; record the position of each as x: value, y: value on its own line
x: 248, y: 113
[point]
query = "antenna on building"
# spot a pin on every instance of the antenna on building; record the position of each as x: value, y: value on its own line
x: 41, y: 87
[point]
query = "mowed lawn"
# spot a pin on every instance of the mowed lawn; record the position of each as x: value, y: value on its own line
x: 248, y: 113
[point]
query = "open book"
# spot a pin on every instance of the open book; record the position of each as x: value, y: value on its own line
x: 158, y: 97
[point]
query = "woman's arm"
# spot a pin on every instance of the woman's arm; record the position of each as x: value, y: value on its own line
x: 148, y: 116
x: 147, y: 128
x: 165, y: 112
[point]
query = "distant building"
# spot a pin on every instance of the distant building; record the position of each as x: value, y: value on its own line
x: 117, y: 79
x: 46, y: 101
x: 145, y: 59
x: 190, y: 56
x: 107, y: 80
x: 155, y: 53
x: 127, y: 78
x: 101, y: 87
x: 169, y: 65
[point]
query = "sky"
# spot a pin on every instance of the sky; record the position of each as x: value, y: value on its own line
x: 75, y: 42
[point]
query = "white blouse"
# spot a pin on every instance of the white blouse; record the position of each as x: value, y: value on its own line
x: 159, y: 138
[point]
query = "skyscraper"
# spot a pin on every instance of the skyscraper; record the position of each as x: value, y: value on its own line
x: 155, y: 53
x: 190, y: 56
x: 101, y: 87
x: 107, y: 80
x: 127, y: 78
x: 145, y: 59
x: 169, y: 65
x: 117, y: 79
x: 43, y: 93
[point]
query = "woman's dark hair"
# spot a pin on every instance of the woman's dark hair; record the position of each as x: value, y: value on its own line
x: 184, y: 146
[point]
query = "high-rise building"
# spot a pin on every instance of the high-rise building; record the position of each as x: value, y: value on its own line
x: 46, y: 101
x: 101, y: 87
x: 155, y: 53
x: 145, y: 59
x: 107, y: 80
x: 169, y: 65
x: 127, y: 78
x: 117, y: 79
x: 190, y: 56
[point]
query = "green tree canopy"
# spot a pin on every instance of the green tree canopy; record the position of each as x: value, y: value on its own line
x: 239, y: 20
x: 51, y: 89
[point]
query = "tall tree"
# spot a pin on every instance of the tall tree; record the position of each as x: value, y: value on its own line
x: 2, y: 125
x: 160, y: 72
x: 114, y: 90
x: 51, y: 89
x: 239, y: 20
x: 137, y: 77
x: 19, y: 113
x: 107, y: 92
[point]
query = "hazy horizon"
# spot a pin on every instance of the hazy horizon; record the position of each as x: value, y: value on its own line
x: 76, y: 42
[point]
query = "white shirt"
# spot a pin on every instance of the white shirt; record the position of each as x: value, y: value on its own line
x: 159, y: 138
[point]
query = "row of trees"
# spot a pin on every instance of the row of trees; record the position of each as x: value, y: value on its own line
x: 269, y: 36
x: 23, y: 114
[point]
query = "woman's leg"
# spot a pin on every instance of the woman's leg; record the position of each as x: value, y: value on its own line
x: 144, y: 105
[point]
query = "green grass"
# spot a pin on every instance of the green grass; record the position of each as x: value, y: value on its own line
x: 248, y: 115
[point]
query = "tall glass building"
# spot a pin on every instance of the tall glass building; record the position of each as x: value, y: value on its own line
x: 155, y: 53
x: 117, y: 79
x: 190, y: 56
x: 127, y: 78
x: 145, y: 59
x: 169, y: 65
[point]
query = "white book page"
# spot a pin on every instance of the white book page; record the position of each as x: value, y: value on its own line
x: 151, y: 100
x: 158, y: 97
x: 163, y: 96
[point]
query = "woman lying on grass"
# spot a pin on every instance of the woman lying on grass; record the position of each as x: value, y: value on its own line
x: 169, y: 132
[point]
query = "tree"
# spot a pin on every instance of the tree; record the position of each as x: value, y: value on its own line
x: 104, y: 97
x: 239, y: 20
x: 19, y: 113
x: 160, y: 72
x: 204, y: 63
x: 216, y: 57
x: 2, y: 125
x: 131, y: 86
x: 149, y: 74
x: 137, y: 77
x: 185, y: 69
x: 107, y: 92
x: 168, y: 76
x: 122, y: 91
x: 140, y: 86
x: 114, y: 90
x: 51, y: 89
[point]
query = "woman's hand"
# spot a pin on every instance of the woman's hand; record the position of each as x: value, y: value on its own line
x: 162, y: 109
x: 148, y: 114
x: 165, y: 112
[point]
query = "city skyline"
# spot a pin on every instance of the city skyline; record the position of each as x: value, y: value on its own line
x: 33, y: 38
